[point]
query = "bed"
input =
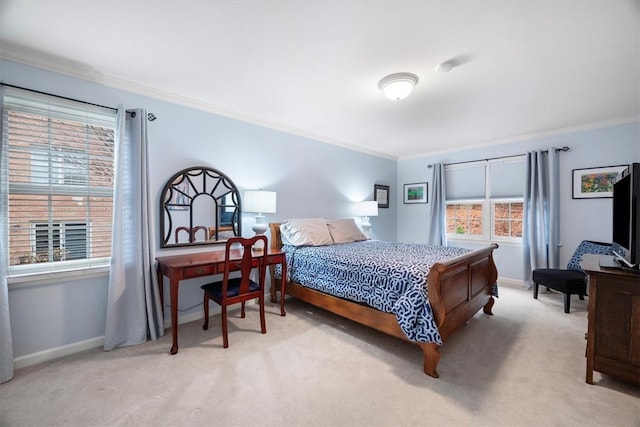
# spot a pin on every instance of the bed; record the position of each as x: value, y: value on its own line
x: 455, y: 289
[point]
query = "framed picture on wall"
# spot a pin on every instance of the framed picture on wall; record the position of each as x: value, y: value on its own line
x: 415, y: 193
x: 595, y: 183
x: 381, y: 195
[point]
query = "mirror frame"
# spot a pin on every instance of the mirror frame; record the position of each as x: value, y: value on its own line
x: 200, y: 180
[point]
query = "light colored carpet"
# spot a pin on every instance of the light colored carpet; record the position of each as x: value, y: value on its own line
x: 524, y: 366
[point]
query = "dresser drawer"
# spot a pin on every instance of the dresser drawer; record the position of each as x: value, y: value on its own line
x: 201, y: 270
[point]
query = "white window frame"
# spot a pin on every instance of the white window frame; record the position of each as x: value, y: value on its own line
x: 61, y: 180
x: 482, y: 236
x: 488, y: 217
x: 493, y: 219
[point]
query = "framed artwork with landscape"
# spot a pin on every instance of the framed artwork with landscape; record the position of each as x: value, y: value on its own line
x: 595, y: 183
x: 415, y: 193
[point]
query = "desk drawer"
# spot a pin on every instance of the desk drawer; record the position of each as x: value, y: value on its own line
x: 201, y: 270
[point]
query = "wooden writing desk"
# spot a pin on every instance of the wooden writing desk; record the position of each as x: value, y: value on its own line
x: 189, y: 266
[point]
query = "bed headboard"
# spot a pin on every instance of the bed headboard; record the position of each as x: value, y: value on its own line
x: 276, y: 237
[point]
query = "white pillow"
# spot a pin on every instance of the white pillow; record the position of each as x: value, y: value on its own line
x: 345, y: 230
x: 305, y: 232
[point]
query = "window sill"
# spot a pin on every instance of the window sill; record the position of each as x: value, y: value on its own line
x: 485, y: 241
x: 38, y: 279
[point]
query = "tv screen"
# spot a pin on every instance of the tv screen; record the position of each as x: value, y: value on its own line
x: 626, y: 216
x: 622, y: 212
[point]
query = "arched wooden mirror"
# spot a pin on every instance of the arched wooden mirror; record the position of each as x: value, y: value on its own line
x: 199, y: 206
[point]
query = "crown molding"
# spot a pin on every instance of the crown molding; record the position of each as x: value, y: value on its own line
x: 210, y: 108
x: 526, y: 137
x: 83, y: 72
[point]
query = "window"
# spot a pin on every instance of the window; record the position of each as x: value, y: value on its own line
x: 485, y: 199
x: 466, y: 218
x: 59, y: 242
x: 59, y: 169
x: 507, y: 219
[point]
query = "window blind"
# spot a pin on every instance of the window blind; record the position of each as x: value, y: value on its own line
x: 465, y: 181
x: 507, y: 177
x: 498, y: 178
x: 59, y: 165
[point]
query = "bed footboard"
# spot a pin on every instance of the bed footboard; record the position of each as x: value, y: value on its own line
x: 458, y: 289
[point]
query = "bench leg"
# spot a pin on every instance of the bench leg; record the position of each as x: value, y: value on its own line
x: 535, y: 291
x: 567, y: 302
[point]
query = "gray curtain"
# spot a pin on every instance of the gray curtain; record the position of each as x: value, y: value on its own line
x: 437, y: 226
x: 133, y: 306
x: 540, y: 234
x: 6, y: 343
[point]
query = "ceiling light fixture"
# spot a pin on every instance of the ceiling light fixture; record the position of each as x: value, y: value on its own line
x: 398, y: 86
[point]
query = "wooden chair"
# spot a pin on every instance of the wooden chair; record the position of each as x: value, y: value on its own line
x: 233, y: 290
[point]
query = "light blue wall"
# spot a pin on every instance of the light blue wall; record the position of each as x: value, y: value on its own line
x: 579, y: 218
x: 310, y: 177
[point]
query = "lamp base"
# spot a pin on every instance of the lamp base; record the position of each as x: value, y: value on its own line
x: 366, y: 225
x: 260, y: 227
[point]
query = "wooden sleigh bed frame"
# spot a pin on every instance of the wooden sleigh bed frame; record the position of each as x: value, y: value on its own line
x: 458, y: 289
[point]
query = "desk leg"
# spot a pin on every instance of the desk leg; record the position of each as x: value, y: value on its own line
x: 274, y: 293
x: 161, y: 289
x: 283, y: 285
x: 174, y: 314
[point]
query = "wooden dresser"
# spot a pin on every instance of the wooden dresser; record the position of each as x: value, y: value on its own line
x: 613, y: 335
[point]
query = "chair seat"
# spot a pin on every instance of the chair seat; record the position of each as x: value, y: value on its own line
x: 233, y: 289
x: 566, y: 281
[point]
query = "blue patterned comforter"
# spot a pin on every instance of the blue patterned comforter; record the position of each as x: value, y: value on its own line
x: 388, y: 276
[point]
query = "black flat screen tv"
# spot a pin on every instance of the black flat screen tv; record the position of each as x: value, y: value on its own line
x: 626, y: 217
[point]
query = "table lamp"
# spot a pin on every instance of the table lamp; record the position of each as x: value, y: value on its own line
x: 365, y: 210
x: 260, y: 202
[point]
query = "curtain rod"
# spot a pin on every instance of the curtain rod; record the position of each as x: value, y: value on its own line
x: 150, y: 116
x: 565, y: 148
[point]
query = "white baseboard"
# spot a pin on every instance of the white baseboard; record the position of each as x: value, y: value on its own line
x: 214, y: 309
x: 66, y: 350
x: 54, y: 353
x: 512, y: 283
x: 186, y: 318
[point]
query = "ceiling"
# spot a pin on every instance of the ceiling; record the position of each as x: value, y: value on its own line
x: 526, y: 68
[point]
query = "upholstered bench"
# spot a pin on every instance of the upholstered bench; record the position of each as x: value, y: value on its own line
x: 573, y: 280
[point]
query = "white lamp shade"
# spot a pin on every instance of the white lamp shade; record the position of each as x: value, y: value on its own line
x: 368, y: 208
x: 259, y: 201
x: 398, y: 86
